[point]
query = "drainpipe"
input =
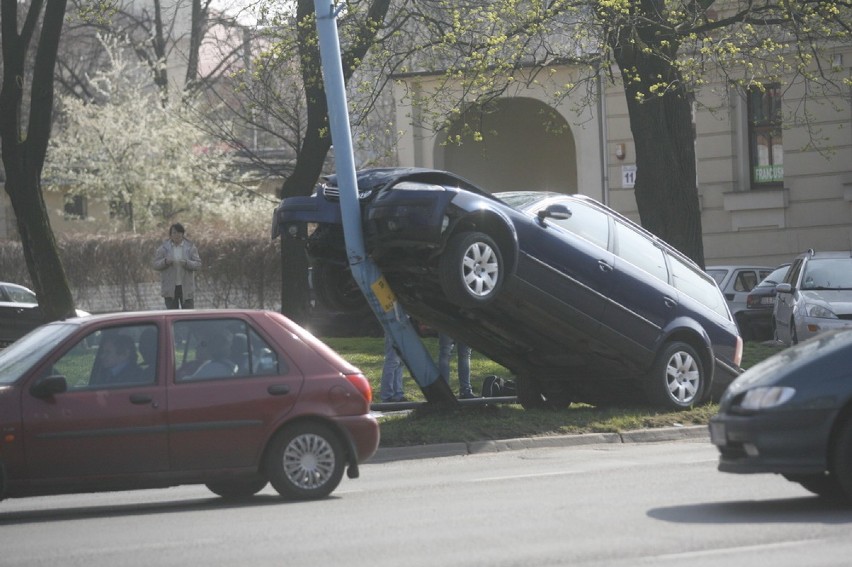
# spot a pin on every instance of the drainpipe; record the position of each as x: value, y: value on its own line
x: 603, y: 134
x: 371, y: 281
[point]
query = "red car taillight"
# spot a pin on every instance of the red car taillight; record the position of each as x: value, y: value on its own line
x: 362, y: 385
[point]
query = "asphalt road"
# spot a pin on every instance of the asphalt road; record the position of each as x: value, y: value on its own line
x: 600, y: 504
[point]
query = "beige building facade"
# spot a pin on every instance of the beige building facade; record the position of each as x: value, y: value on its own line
x: 765, y: 195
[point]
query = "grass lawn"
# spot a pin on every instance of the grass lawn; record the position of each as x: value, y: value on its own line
x: 473, y: 423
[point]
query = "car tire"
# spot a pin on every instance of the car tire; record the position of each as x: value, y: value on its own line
x: 335, y: 287
x: 305, y: 461
x: 841, y: 458
x: 677, y: 380
x: 823, y: 485
x: 237, y: 489
x: 471, y: 269
x: 529, y: 393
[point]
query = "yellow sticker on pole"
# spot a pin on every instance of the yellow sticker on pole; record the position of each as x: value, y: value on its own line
x: 383, y: 293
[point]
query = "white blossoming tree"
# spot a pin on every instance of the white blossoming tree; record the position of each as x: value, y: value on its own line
x: 142, y: 156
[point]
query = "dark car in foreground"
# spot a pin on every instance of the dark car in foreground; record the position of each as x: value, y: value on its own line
x: 233, y: 399
x: 792, y: 415
x: 580, y: 303
x: 19, y: 312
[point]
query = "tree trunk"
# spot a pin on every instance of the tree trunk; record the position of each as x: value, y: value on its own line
x: 666, y: 187
x: 24, y: 152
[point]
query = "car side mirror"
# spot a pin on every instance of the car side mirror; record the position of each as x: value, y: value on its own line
x: 49, y: 386
x: 783, y: 288
x: 558, y: 212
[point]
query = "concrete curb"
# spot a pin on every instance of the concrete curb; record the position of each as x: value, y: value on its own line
x: 389, y: 454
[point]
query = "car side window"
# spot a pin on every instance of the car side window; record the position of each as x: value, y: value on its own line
x: 20, y: 295
x: 745, y: 280
x: 639, y: 251
x: 698, y: 287
x: 586, y: 222
x: 114, y: 357
x: 220, y: 348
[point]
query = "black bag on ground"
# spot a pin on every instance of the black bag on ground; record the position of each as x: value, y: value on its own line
x: 496, y: 387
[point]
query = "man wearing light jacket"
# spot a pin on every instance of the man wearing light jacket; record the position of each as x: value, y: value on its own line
x: 177, y: 260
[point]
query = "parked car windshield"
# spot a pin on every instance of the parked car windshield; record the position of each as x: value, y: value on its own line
x: 18, y: 357
x: 828, y: 273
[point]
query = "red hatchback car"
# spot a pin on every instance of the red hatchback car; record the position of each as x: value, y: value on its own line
x: 232, y: 399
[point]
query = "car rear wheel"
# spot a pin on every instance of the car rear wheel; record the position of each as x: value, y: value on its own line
x: 237, y: 489
x: 823, y: 485
x: 305, y: 461
x: 677, y: 380
x: 841, y: 459
x: 471, y: 269
x: 529, y: 393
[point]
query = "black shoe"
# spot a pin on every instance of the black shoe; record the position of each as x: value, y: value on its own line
x: 468, y: 396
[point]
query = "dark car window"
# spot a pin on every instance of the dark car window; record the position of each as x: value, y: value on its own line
x: 110, y: 358
x: 20, y: 295
x: 641, y: 252
x: 221, y: 348
x: 585, y: 221
x: 700, y: 288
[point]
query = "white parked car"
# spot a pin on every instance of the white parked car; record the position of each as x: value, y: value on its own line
x: 736, y: 282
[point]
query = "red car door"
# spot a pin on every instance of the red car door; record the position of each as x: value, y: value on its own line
x: 222, y: 410
x: 98, y: 429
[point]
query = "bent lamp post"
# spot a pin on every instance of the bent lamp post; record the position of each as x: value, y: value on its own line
x: 371, y: 281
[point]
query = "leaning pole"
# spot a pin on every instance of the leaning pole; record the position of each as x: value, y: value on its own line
x: 370, y: 280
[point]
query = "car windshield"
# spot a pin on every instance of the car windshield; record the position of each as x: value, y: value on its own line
x: 519, y: 199
x: 21, y: 355
x: 774, y: 278
x: 828, y: 273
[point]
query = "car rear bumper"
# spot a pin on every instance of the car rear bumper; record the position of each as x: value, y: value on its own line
x: 363, y: 434
x: 773, y: 442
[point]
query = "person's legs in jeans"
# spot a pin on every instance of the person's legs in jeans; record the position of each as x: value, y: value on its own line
x: 391, y: 388
x: 464, y: 370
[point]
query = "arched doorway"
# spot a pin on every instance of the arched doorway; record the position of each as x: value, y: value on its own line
x: 525, y: 144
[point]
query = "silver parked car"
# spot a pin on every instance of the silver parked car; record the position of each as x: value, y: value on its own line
x: 815, y: 296
x: 736, y: 282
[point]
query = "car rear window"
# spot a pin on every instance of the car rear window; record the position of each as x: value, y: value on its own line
x: 700, y: 288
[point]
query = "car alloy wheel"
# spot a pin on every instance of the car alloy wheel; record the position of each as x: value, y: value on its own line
x: 677, y: 379
x: 471, y: 269
x: 305, y: 461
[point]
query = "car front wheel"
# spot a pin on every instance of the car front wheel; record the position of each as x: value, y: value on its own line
x: 677, y: 380
x: 471, y: 269
x: 305, y: 461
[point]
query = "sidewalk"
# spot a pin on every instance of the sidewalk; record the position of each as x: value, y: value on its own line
x: 388, y: 454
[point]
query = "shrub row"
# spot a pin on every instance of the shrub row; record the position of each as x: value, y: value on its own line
x: 113, y: 272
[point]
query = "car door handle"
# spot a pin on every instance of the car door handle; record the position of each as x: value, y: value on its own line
x: 278, y: 389
x: 604, y: 266
x: 140, y: 399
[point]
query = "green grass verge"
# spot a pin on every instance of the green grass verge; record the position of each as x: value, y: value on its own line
x: 477, y: 423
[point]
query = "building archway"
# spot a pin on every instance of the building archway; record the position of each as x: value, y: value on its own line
x: 525, y: 145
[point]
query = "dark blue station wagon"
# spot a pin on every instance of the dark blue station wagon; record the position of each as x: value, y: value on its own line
x: 582, y: 304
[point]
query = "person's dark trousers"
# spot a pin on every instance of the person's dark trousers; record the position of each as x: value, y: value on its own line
x: 178, y: 302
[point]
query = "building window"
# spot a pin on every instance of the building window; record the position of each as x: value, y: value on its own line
x: 75, y: 207
x: 766, y: 151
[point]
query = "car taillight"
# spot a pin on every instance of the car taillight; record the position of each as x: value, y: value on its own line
x: 738, y: 351
x: 752, y: 301
x: 362, y: 385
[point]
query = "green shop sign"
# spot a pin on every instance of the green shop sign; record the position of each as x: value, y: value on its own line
x: 769, y: 173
